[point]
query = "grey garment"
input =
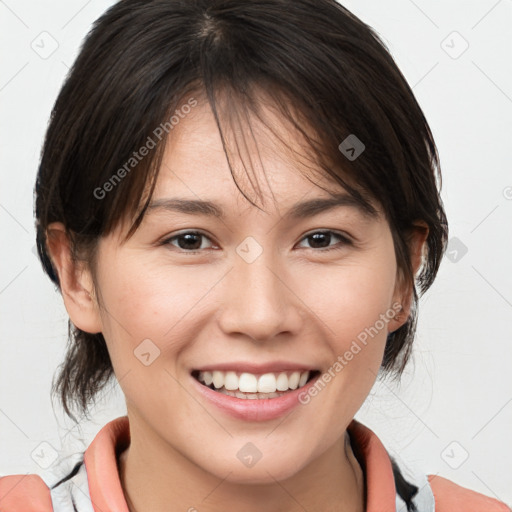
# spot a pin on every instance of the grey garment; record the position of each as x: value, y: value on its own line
x: 424, y: 499
x: 73, y: 494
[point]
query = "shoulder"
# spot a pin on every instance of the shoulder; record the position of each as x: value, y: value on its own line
x: 451, y: 497
x: 386, y: 474
x: 33, y: 493
x: 67, y: 487
x: 24, y: 493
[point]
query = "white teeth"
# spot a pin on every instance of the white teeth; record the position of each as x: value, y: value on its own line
x: 248, y: 383
x: 207, y: 378
x: 231, y: 381
x: 282, y: 382
x: 268, y: 383
x: 297, y: 377
x: 218, y: 379
x: 303, y: 379
x: 249, y: 396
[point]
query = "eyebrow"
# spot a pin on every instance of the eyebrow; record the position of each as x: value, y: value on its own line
x: 299, y: 210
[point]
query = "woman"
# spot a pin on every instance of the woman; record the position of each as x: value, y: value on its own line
x: 239, y: 204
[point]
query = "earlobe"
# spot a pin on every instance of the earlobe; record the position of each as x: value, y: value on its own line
x: 403, y: 290
x: 76, y: 283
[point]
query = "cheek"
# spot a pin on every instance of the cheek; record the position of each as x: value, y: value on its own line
x: 354, y: 305
x: 145, y: 300
x: 351, y: 298
x: 144, y: 322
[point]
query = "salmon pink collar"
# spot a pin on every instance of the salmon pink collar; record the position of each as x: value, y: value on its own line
x: 107, y: 494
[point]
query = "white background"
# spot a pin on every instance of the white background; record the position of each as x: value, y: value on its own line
x: 456, y: 395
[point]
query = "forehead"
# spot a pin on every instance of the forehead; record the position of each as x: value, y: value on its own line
x: 195, y: 164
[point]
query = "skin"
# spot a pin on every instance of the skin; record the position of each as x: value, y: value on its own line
x: 295, y: 302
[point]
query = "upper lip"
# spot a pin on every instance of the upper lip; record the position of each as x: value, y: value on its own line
x: 251, y: 367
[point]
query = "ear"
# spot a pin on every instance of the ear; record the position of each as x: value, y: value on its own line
x: 416, y: 242
x: 76, y: 283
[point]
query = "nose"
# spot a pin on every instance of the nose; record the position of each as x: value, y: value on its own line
x: 259, y: 300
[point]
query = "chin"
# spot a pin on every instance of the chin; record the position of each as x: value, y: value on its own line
x: 262, y: 472
x: 260, y: 476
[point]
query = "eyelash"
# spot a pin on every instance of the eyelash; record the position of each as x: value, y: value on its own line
x: 344, y: 240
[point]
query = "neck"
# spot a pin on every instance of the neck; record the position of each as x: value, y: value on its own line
x: 154, y: 475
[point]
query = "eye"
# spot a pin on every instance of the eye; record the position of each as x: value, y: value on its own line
x: 322, y: 239
x: 188, y: 241
x: 191, y: 241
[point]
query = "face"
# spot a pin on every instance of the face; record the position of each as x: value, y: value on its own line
x: 250, y: 298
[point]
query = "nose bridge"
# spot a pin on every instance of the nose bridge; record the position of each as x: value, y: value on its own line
x: 257, y: 301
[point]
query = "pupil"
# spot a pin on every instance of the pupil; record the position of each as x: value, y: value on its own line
x: 325, y: 236
x: 189, y: 237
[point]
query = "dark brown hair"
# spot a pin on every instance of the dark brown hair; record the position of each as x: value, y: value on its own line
x: 327, y: 72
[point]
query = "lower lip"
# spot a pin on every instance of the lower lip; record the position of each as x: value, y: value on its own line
x: 254, y: 409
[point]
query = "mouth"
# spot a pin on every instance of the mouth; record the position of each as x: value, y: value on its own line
x: 245, y: 385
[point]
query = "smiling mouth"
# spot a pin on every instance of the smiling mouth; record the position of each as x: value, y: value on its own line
x: 254, y: 386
